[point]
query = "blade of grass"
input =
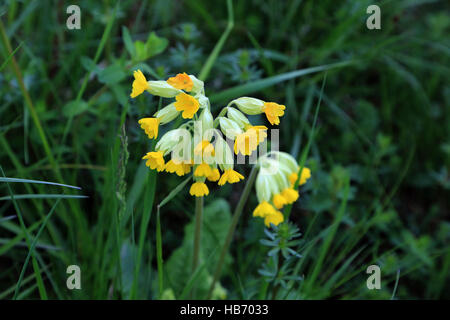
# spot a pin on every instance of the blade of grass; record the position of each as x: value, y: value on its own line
x: 258, y: 85
x: 37, y: 272
x: 33, y: 245
x: 43, y: 196
x: 10, y: 56
x: 304, y: 154
x: 9, y: 180
x: 309, y: 282
x: 204, y: 72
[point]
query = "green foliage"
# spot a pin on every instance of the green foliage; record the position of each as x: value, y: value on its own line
x: 380, y: 146
x: 217, y: 218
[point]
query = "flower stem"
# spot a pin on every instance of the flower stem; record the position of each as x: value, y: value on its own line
x: 232, y: 228
x: 198, y: 231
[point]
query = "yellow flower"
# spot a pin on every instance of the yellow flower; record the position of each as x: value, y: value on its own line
x: 246, y: 143
x: 204, y: 148
x: 273, y: 111
x: 199, y: 189
x: 306, y: 174
x: 290, y: 195
x: 177, y: 167
x: 275, y: 218
x: 139, y: 85
x: 181, y: 81
x: 188, y: 104
x: 261, y: 133
x: 150, y: 125
x: 230, y: 176
x: 203, y: 170
x: 187, y: 167
x: 155, y: 160
x: 279, y: 201
x: 214, y: 176
x: 263, y: 209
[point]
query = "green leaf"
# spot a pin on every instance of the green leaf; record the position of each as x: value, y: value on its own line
x: 128, y: 42
x: 152, y: 47
x: 112, y: 74
x: 74, y: 108
x: 37, y: 181
x: 217, y: 219
x: 156, y: 45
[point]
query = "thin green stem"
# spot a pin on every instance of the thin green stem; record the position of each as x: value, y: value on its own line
x: 232, y: 228
x: 197, y: 236
x: 215, y: 53
x: 159, y: 258
x: 198, y: 231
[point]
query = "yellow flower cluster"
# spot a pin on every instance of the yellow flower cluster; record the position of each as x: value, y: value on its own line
x: 275, y: 185
x: 189, y: 98
x: 210, y: 154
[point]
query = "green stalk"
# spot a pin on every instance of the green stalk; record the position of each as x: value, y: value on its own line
x: 215, y: 53
x: 159, y: 258
x: 197, y: 232
x: 232, y: 228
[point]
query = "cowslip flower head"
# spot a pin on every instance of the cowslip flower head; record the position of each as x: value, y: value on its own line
x: 273, y: 112
x: 306, y: 174
x: 246, y: 143
x: 204, y: 148
x: 290, y: 195
x: 176, y: 167
x: 139, y: 85
x: 261, y: 132
x: 199, y: 189
x: 263, y: 209
x: 279, y: 201
x: 187, y: 104
x: 214, y: 176
x: 150, y: 126
x: 203, y: 170
x: 230, y: 176
x: 274, y: 219
x: 155, y: 160
x: 181, y: 81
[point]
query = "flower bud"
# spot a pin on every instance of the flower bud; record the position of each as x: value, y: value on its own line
x: 249, y: 105
x: 202, y: 100
x: 171, y: 139
x: 162, y: 89
x: 287, y: 160
x: 237, y: 117
x: 207, y: 119
x: 198, y: 84
x: 223, y: 154
x: 229, y: 128
x: 167, y: 114
x: 262, y: 186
